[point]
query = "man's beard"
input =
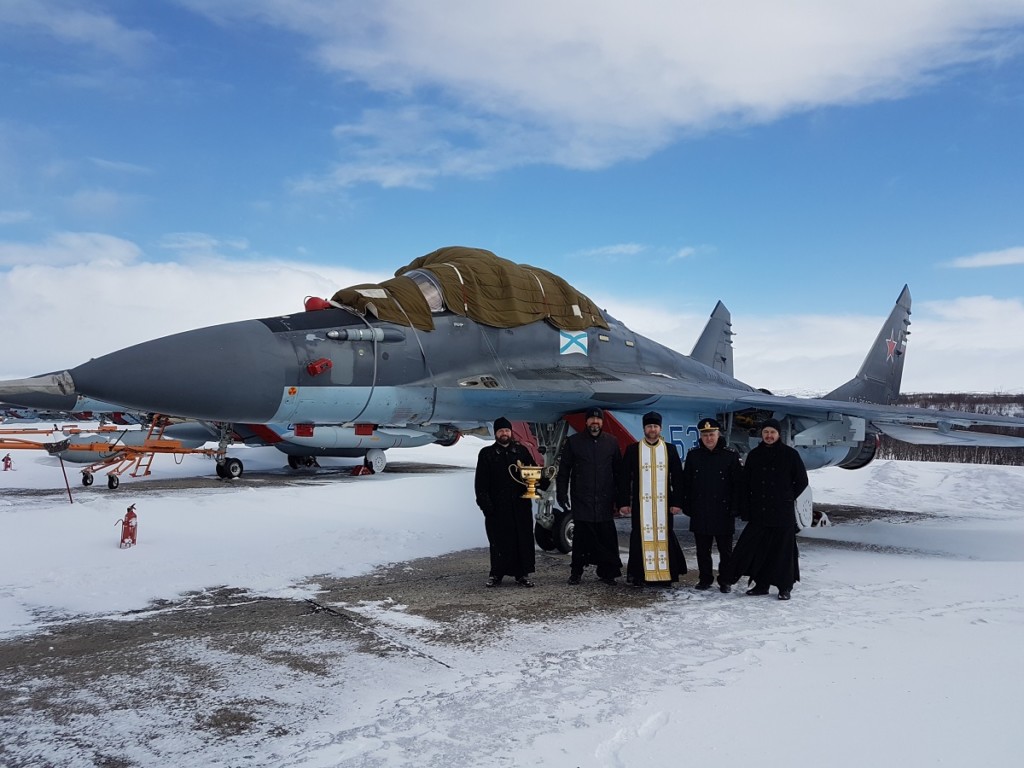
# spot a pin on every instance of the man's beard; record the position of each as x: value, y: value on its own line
x: 504, y: 440
x: 594, y: 429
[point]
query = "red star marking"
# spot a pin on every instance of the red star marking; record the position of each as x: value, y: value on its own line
x: 891, y: 346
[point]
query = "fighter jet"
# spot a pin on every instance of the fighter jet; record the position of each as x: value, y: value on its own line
x: 461, y: 336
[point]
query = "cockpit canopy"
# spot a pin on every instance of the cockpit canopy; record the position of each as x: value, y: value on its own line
x: 474, y: 283
x: 430, y: 287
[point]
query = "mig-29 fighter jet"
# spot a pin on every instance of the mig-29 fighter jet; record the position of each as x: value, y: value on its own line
x: 459, y: 337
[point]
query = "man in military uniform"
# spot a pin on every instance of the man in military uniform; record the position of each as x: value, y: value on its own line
x: 712, y: 487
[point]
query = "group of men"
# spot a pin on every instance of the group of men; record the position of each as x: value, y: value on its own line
x: 650, y: 484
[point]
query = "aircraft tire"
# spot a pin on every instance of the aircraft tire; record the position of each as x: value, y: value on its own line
x: 376, y: 460
x: 293, y: 462
x: 545, y: 540
x: 112, y: 482
x: 562, y: 532
x: 233, y: 468
x: 87, y: 479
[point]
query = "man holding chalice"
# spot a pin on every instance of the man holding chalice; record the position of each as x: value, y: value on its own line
x: 505, y: 473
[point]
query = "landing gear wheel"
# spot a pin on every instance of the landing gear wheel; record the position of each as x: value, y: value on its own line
x: 87, y: 479
x: 293, y: 462
x: 232, y: 469
x: 543, y: 537
x: 112, y: 482
x: 562, y: 532
x: 375, y: 460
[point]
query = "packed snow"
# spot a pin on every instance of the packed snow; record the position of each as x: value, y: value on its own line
x: 901, y: 645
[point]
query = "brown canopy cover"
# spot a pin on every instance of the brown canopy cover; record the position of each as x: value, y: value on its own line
x: 480, y: 285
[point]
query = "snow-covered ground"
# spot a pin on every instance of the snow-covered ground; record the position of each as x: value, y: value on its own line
x: 902, y: 650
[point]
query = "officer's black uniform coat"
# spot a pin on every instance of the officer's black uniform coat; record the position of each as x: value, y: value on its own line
x: 712, y: 487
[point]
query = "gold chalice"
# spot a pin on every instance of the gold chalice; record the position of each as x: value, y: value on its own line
x: 530, y: 477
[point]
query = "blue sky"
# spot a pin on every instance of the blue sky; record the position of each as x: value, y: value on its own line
x: 199, y: 161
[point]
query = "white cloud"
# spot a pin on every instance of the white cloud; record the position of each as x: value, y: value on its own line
x: 682, y: 253
x: 613, y: 252
x: 963, y: 345
x: 1003, y: 258
x: 968, y: 344
x: 78, y: 296
x: 585, y: 85
x: 74, y: 27
x: 199, y: 245
x: 120, y: 166
x: 14, y: 217
x: 97, y: 202
x: 66, y: 248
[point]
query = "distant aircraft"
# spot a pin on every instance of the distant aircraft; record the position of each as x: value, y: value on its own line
x: 301, y: 450
x: 460, y: 337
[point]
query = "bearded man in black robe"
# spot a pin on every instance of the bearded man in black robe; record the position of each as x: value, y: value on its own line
x: 774, y: 476
x: 588, y: 475
x: 508, y: 518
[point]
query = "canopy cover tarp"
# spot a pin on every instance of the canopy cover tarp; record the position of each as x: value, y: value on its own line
x: 480, y: 285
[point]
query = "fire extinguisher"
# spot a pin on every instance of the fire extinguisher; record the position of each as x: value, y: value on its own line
x: 129, y: 528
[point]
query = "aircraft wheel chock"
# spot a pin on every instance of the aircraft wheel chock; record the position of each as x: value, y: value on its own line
x: 543, y: 537
x: 233, y: 468
x: 87, y: 479
x: 376, y: 460
x: 562, y: 532
x: 112, y: 482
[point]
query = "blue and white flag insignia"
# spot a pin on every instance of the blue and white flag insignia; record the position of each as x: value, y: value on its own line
x: 572, y: 343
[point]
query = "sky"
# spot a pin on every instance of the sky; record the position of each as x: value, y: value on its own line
x: 901, y: 645
x: 178, y: 163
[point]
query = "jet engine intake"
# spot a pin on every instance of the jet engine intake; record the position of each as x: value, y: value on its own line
x: 862, y: 455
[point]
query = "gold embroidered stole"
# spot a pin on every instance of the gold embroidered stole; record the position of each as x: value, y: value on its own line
x: 654, y: 510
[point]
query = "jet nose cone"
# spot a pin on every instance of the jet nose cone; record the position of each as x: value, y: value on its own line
x: 233, y: 372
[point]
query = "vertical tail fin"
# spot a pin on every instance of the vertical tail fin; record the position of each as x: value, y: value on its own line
x: 881, y: 373
x: 714, y: 346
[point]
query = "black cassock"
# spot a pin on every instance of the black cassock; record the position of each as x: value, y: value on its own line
x: 508, y: 518
x: 588, y: 474
x: 766, y: 551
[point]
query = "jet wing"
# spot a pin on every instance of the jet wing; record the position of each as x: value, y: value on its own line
x: 925, y: 426
x: 937, y: 436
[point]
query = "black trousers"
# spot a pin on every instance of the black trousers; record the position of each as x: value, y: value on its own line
x: 724, y: 543
x: 596, y: 544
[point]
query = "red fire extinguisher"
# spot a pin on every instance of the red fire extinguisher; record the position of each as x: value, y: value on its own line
x: 129, y: 528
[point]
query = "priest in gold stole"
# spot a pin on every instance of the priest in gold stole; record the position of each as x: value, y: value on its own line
x: 650, y: 492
